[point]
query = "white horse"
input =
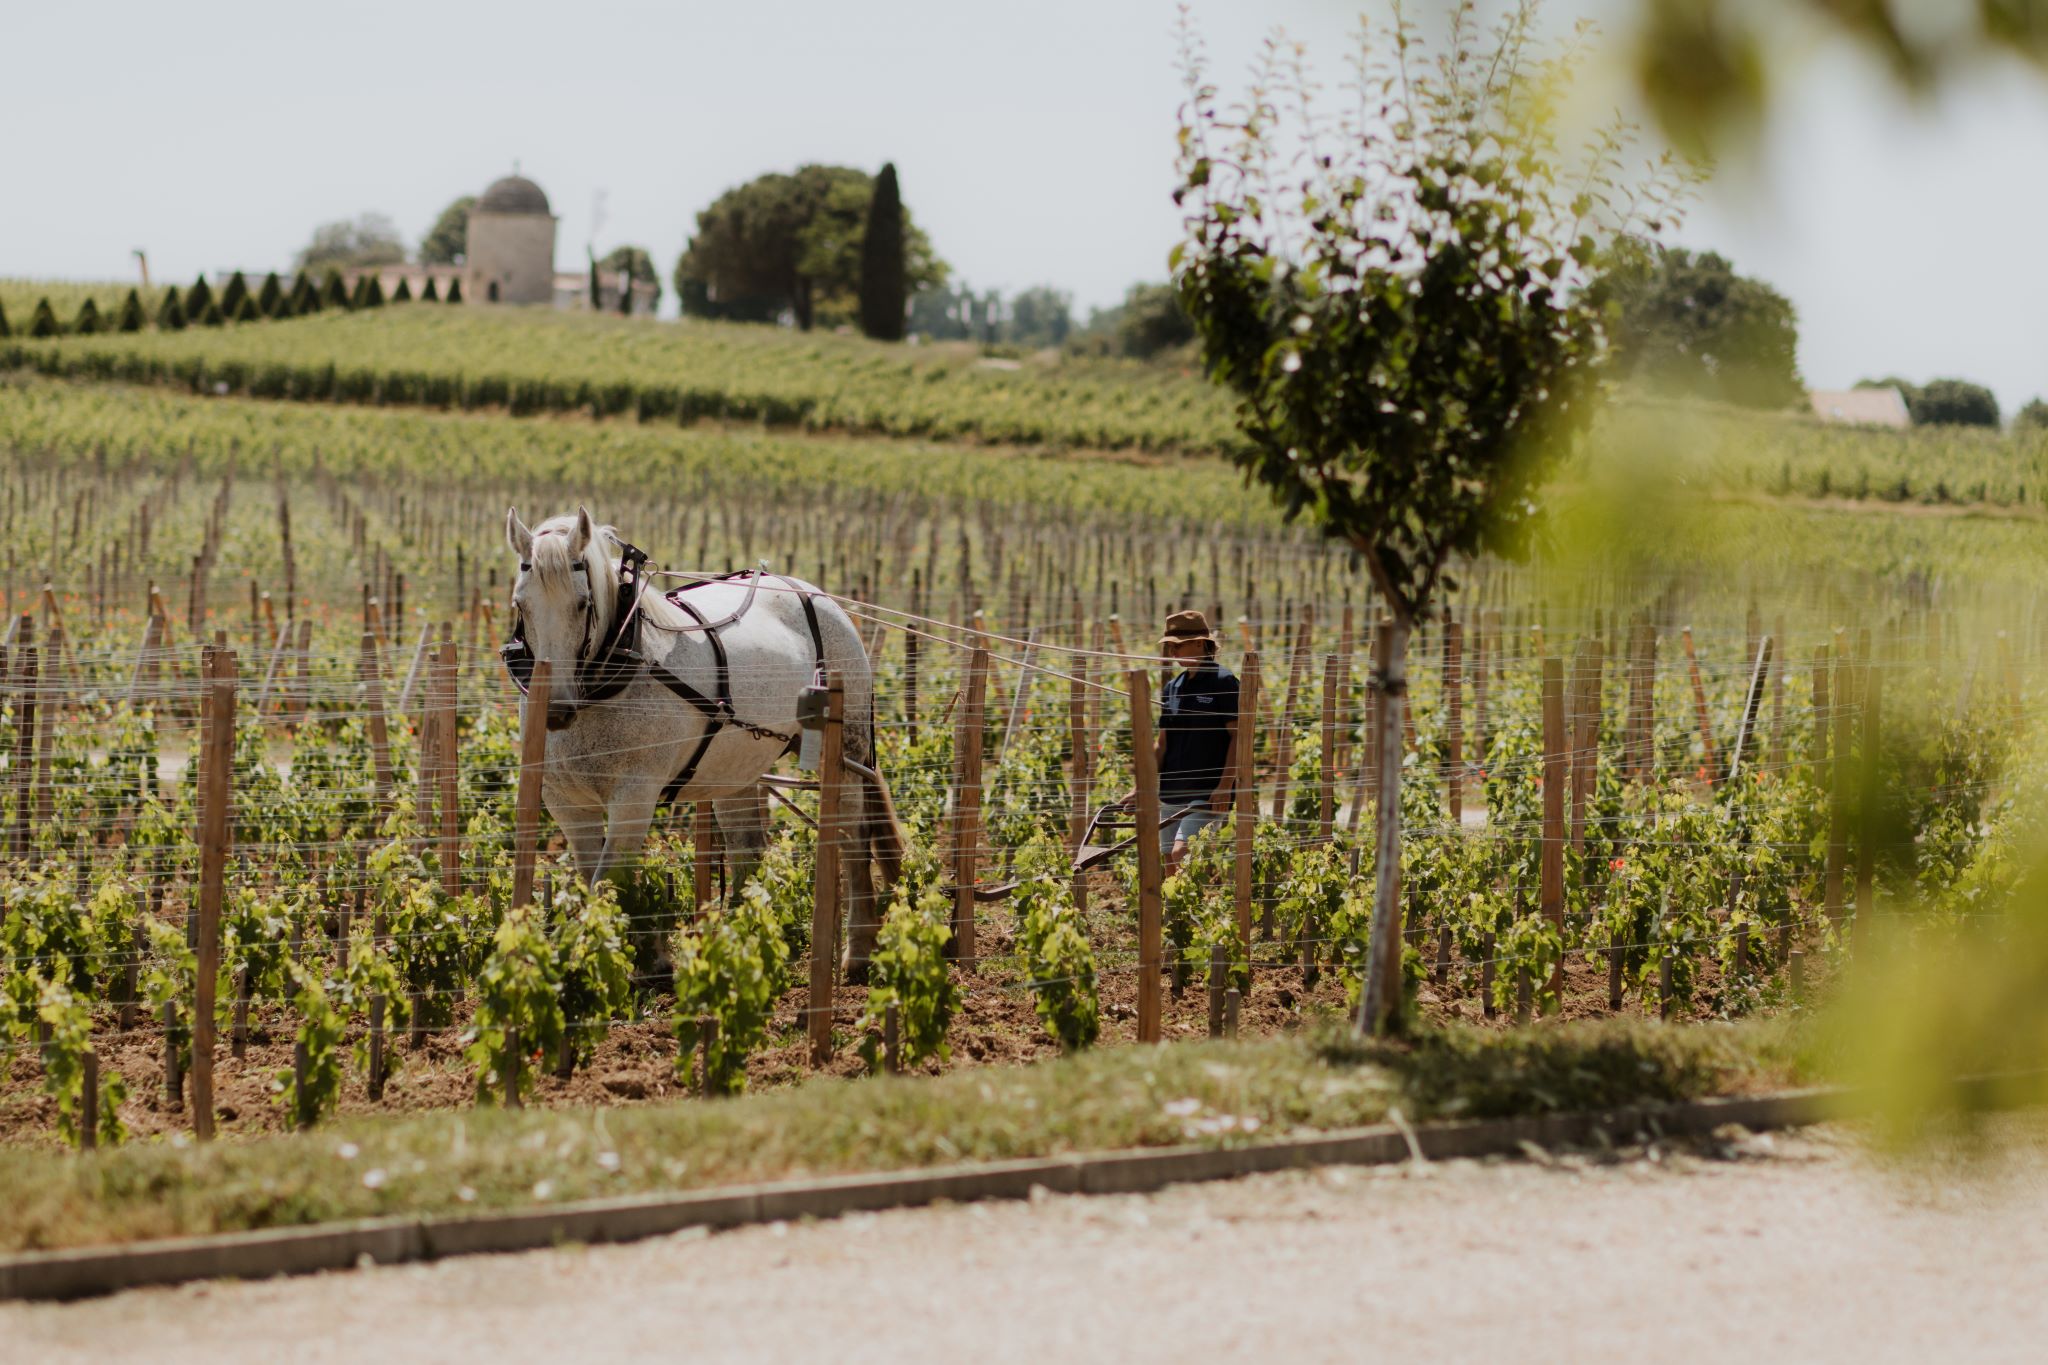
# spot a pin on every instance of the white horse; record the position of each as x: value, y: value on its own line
x: 611, y: 757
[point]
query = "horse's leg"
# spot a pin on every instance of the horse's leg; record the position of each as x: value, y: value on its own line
x: 743, y: 825
x: 631, y: 810
x: 626, y: 821
x: 582, y: 825
x: 863, y: 914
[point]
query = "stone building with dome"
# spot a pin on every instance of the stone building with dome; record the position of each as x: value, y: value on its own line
x: 510, y: 256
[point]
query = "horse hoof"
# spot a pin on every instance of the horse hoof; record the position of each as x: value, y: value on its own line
x: 857, y: 973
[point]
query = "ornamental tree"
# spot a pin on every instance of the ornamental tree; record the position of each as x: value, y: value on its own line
x: 1395, y: 292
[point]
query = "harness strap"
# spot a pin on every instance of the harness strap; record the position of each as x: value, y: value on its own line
x: 717, y: 710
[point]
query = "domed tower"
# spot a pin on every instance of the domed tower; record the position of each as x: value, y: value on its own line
x: 511, y: 251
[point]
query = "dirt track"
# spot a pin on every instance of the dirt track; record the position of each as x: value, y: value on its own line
x: 1773, y: 1248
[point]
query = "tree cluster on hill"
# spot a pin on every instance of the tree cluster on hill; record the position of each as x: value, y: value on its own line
x: 447, y: 241
x: 1033, y: 318
x: 2033, y: 417
x: 1150, y: 322
x: 635, y: 267
x: 236, y: 302
x: 369, y: 240
x: 1687, y: 323
x: 792, y: 244
x: 1943, y: 402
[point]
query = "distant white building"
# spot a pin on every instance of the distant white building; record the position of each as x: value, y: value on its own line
x: 1885, y: 407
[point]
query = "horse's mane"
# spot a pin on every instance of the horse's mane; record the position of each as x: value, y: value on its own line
x: 554, y: 568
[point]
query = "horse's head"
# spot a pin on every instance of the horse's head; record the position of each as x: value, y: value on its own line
x: 563, y: 598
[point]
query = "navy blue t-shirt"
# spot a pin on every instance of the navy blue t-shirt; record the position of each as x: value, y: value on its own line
x: 1196, y: 708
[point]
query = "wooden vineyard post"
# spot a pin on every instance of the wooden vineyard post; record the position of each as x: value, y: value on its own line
x: 1247, y: 796
x: 145, y: 659
x: 533, y: 752
x: 1752, y: 702
x: 215, y: 790
x: 1366, y: 786
x: 24, y: 749
x: 1080, y: 770
x: 1552, y: 888
x: 1578, y: 740
x: 825, y: 878
x: 412, y: 673
x: 1454, y: 718
x: 1777, y: 750
x: 1838, y: 830
x: 449, y: 771
x: 1482, y: 670
x: 371, y: 671
x: 1819, y: 752
x: 429, y: 756
x: 45, y: 732
x: 1146, y: 763
x: 1326, y: 803
x: 702, y: 852
x: 967, y: 806
x: 1699, y: 702
x: 299, y: 690
x: 1283, y: 755
x: 1867, y: 822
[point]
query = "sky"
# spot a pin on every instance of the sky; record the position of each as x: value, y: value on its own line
x: 1034, y: 142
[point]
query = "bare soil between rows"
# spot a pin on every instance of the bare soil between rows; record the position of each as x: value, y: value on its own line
x: 636, y: 1063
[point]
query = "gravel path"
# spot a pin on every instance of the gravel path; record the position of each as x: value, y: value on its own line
x: 1770, y: 1248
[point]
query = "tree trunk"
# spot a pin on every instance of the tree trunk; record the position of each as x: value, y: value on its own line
x: 801, y: 303
x: 1380, y: 1006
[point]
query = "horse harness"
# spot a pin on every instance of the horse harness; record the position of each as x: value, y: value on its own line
x: 606, y: 671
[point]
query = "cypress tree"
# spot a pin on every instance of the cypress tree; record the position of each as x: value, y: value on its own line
x: 88, y: 319
x: 430, y: 294
x: 402, y: 294
x: 170, y: 314
x: 232, y: 296
x: 44, y: 323
x: 131, y: 319
x: 245, y: 309
x: 303, y: 299
x: 334, y: 294
x: 369, y: 292
x: 210, y: 316
x: 882, y: 289
x: 196, y: 301
x: 5, y: 331
x: 455, y: 290
x: 271, y: 297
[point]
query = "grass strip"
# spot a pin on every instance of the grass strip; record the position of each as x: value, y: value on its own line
x: 1218, y: 1094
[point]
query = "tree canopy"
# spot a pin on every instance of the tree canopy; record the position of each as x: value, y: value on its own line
x: 2032, y: 417
x: 1942, y: 402
x: 371, y: 239
x: 1690, y: 324
x: 1395, y: 291
x: 636, y: 266
x: 447, y: 241
x: 883, y: 290
x: 791, y: 244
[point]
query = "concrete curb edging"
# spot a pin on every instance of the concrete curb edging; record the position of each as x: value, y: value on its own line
x: 85, y: 1271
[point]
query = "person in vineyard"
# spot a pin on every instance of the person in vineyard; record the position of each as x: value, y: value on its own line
x: 1197, y: 743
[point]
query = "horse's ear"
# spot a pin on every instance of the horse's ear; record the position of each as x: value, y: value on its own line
x: 517, y: 535
x: 580, y: 541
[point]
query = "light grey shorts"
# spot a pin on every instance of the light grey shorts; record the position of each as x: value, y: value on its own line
x: 1188, y: 826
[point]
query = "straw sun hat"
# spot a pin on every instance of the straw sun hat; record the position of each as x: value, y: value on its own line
x: 1185, y: 626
